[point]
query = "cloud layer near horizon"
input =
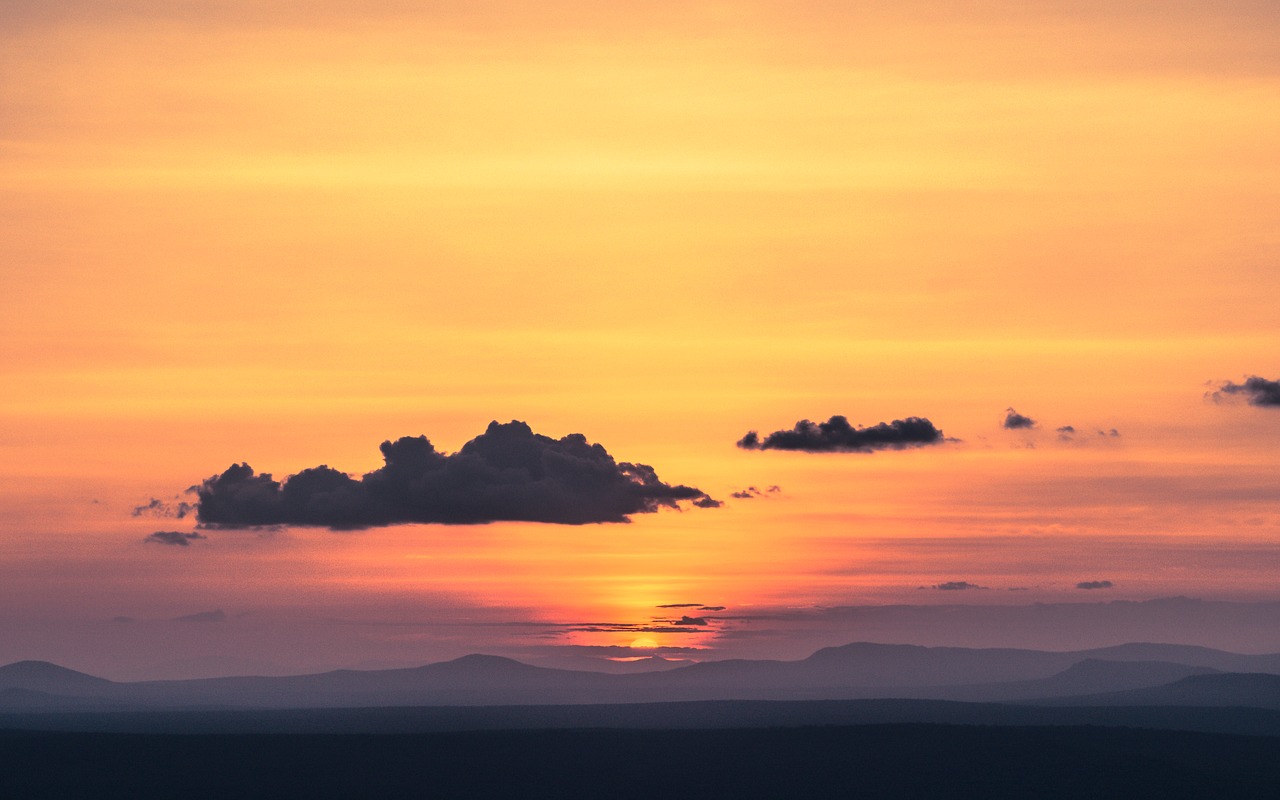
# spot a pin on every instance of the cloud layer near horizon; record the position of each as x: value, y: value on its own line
x: 507, y: 473
x: 836, y: 435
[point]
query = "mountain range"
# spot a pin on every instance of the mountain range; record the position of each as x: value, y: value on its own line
x: 1136, y: 674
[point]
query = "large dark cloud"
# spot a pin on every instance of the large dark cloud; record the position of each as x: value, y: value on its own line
x: 1259, y: 391
x: 836, y: 435
x: 1094, y: 585
x: 1015, y: 421
x: 507, y: 473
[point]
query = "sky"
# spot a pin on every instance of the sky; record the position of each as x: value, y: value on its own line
x: 282, y: 235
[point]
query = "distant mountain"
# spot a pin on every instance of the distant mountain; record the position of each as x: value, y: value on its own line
x: 41, y: 676
x: 1189, y: 655
x: 1087, y: 677
x: 1237, y: 690
x: 855, y: 671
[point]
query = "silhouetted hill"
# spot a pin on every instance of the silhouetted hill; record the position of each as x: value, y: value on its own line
x: 1243, y: 690
x: 1087, y: 677
x: 41, y: 676
x: 470, y: 680
x: 853, y: 671
x: 1189, y: 655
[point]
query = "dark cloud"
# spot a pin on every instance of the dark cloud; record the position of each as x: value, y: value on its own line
x: 711, y: 608
x: 174, y: 537
x: 1094, y: 585
x: 957, y: 586
x: 751, y: 492
x: 1066, y: 433
x: 690, y: 621
x: 680, y: 605
x: 836, y: 435
x: 506, y: 473
x: 163, y: 508
x: 1258, y: 391
x: 1015, y: 421
x: 203, y: 616
x: 1113, y: 433
x: 623, y: 628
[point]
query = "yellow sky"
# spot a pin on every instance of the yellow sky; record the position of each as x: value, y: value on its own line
x: 283, y: 235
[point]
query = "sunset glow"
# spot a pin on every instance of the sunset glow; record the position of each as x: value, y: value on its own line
x: 282, y: 234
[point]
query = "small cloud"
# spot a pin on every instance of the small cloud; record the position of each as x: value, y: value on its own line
x: 836, y: 435
x: 1066, y: 433
x: 690, y: 621
x: 751, y: 492
x: 1094, y: 585
x: 174, y: 538
x: 680, y: 605
x: 711, y: 608
x: 203, y: 616
x: 1015, y: 421
x: 163, y: 508
x: 957, y: 586
x: 1258, y: 391
x: 707, y: 502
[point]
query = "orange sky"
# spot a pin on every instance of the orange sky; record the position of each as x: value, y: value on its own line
x: 282, y: 236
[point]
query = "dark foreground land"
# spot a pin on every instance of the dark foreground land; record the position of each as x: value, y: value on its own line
x: 872, y: 761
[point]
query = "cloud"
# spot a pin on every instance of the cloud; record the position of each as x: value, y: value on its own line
x: 711, y: 608
x: 506, y: 473
x: 163, y: 508
x: 174, y: 538
x: 956, y: 586
x: 1015, y: 421
x: 690, y: 621
x: 751, y: 492
x: 203, y: 616
x: 680, y: 605
x: 1094, y: 585
x: 1258, y: 391
x: 1066, y: 433
x: 836, y: 435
